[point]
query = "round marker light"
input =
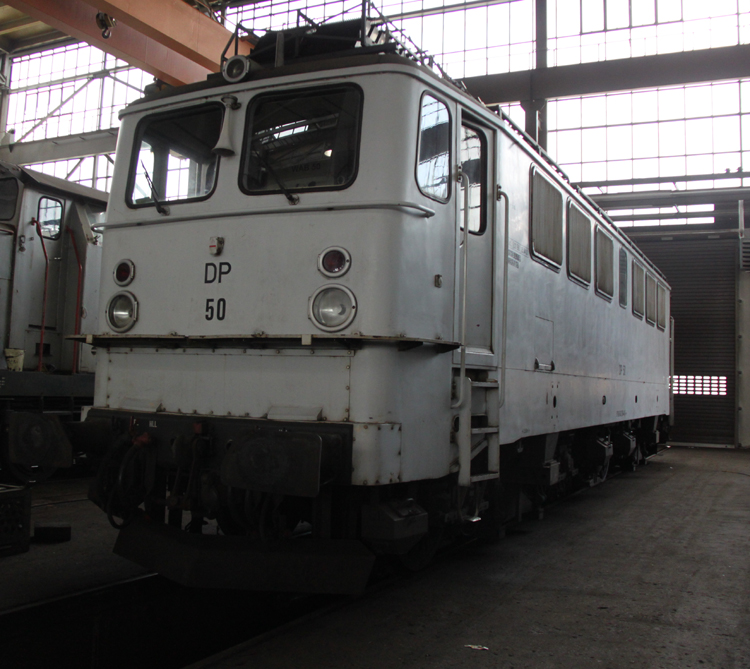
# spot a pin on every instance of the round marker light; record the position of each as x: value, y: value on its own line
x: 124, y: 272
x: 332, y: 308
x: 334, y: 261
x: 235, y: 69
x: 122, y: 311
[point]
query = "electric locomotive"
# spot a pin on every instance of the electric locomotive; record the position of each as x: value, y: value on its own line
x: 349, y: 311
x: 49, y: 277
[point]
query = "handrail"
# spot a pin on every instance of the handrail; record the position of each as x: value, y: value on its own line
x: 465, y: 274
x: 504, y: 338
x: 44, y: 298
x: 77, y: 319
x: 424, y: 212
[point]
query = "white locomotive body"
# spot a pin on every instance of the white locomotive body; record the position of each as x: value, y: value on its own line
x: 49, y: 278
x: 309, y: 336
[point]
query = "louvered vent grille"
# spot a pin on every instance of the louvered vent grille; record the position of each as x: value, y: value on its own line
x: 745, y: 255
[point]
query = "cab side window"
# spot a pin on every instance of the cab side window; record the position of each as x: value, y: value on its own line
x: 434, y: 151
x: 579, y: 245
x: 473, y: 156
x: 8, y: 198
x: 650, y: 299
x: 623, y: 278
x: 50, y: 216
x: 661, y: 307
x: 546, y: 220
x: 639, y: 299
x: 605, y: 281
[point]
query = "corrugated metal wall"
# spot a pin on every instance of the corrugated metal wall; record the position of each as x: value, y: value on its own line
x: 703, y: 274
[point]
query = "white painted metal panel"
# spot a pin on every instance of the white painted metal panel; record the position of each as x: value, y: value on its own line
x: 396, y: 254
x: 224, y: 383
x: 412, y: 388
x: 567, y: 348
x: 376, y: 453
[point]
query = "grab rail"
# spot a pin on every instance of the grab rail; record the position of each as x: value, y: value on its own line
x: 44, y: 298
x: 422, y: 211
x: 77, y: 319
x: 465, y: 274
x: 502, y: 194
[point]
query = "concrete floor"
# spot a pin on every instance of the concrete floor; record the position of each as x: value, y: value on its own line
x: 651, y: 569
x: 54, y: 570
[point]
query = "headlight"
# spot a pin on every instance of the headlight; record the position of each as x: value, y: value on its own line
x: 334, y: 261
x: 124, y: 272
x: 333, y: 307
x: 235, y: 69
x: 122, y: 311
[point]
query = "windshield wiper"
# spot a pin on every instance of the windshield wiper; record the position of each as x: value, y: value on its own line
x: 160, y: 207
x: 291, y: 197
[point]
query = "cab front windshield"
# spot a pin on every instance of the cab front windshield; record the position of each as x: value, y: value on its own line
x: 173, y: 158
x: 302, y: 140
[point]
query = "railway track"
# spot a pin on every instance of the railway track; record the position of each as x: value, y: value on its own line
x: 147, y: 621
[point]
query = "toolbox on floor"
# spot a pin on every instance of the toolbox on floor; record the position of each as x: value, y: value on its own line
x: 15, y: 519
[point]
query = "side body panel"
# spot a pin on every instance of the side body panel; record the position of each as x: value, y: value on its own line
x: 603, y: 357
x: 609, y: 366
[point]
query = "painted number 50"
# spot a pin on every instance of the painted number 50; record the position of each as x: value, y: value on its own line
x: 219, y: 311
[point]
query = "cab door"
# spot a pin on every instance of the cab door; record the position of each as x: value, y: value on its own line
x: 477, y: 250
x: 36, y: 258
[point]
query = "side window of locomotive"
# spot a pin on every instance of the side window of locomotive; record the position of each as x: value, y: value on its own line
x: 302, y: 140
x: 579, y: 245
x: 473, y: 158
x: 50, y: 216
x: 623, y: 285
x: 546, y: 220
x: 605, y: 280
x: 8, y: 198
x: 661, y: 307
x: 639, y: 299
x: 173, y: 159
x: 650, y: 299
x: 434, y: 150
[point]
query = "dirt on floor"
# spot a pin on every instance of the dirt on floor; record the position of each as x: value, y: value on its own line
x: 51, y: 570
x: 649, y: 570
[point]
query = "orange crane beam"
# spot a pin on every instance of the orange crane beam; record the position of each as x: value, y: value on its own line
x: 174, y: 24
x: 166, y: 38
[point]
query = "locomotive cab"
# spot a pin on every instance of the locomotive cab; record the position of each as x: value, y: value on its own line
x: 49, y: 272
x: 305, y: 346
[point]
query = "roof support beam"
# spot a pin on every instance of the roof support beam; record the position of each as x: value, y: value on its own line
x: 60, y: 148
x: 666, y: 198
x: 153, y: 50
x: 176, y: 25
x: 731, y: 62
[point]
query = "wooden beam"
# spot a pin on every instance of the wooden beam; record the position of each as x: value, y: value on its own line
x: 176, y: 25
x: 78, y: 19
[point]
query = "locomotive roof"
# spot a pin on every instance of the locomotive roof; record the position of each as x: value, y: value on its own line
x: 300, y: 66
x: 29, y: 176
